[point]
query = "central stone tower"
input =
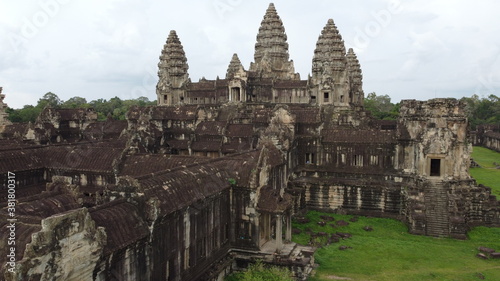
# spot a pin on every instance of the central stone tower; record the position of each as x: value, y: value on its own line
x: 271, y: 50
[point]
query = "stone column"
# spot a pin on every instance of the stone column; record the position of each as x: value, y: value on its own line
x: 279, y: 239
x: 288, y: 232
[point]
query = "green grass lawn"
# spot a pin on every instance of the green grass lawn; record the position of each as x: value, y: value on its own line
x: 488, y: 174
x: 389, y: 252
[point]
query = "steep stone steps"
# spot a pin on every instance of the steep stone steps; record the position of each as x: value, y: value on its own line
x: 436, y: 212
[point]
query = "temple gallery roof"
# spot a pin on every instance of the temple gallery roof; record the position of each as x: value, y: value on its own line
x: 122, y: 223
x: 182, y: 186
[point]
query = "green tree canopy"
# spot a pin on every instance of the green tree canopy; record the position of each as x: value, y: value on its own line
x: 483, y: 110
x: 49, y: 99
x: 381, y: 106
x: 75, y: 102
x: 115, y: 107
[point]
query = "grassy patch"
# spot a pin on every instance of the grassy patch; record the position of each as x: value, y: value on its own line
x: 390, y: 253
x: 487, y: 175
x: 485, y: 157
x: 259, y: 272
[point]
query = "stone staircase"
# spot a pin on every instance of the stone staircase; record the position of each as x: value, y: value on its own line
x: 436, y: 210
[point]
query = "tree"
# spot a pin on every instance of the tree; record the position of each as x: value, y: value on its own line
x: 49, y: 99
x: 381, y: 106
x: 482, y: 110
x: 28, y: 113
x: 75, y: 102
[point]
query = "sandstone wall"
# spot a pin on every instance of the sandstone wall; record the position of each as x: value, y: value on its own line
x: 378, y: 195
x: 67, y: 248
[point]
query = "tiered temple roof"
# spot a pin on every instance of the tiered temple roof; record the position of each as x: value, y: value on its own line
x: 173, y: 67
x: 329, y: 55
x: 271, y: 39
x: 234, y: 67
x: 271, y: 50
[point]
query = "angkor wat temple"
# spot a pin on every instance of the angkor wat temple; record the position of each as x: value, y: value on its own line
x: 211, y: 177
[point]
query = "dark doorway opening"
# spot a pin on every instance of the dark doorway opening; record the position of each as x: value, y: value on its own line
x: 235, y: 92
x: 326, y: 97
x: 310, y: 158
x: 435, y: 167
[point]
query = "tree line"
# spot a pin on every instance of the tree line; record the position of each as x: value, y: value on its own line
x: 483, y: 110
x: 480, y: 110
x: 115, y: 108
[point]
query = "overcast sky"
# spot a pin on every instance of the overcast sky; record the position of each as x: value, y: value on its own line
x: 101, y: 49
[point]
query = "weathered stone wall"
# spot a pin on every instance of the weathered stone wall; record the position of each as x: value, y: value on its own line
x: 491, y: 140
x: 67, y: 248
x: 449, y: 208
x: 375, y: 195
x: 488, y: 136
x: 185, y: 244
x: 436, y: 129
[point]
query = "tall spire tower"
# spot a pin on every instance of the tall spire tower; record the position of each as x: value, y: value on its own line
x: 271, y: 50
x: 356, y: 78
x: 329, y: 67
x: 329, y: 55
x: 3, y: 108
x: 172, y: 72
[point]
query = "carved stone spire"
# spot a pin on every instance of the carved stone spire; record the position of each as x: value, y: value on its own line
x: 271, y: 39
x: 3, y: 108
x: 234, y: 67
x: 329, y: 55
x: 172, y: 69
x: 355, y: 77
x: 271, y: 50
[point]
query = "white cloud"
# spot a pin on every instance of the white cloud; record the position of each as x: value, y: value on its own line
x: 102, y: 49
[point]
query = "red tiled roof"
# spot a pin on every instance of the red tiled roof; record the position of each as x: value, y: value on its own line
x: 235, y: 147
x: 206, y: 146
x: 86, y: 158
x: 122, y: 224
x: 182, y: 187
x: 270, y: 200
x: 143, y: 164
x: 19, y: 160
x: 178, y: 144
x: 239, y: 130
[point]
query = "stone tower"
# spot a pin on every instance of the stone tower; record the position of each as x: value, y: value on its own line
x: 271, y: 50
x: 356, y: 94
x: 235, y: 67
x: 172, y: 72
x: 237, y: 78
x: 3, y: 114
x: 437, y: 134
x: 434, y: 149
x: 330, y: 68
